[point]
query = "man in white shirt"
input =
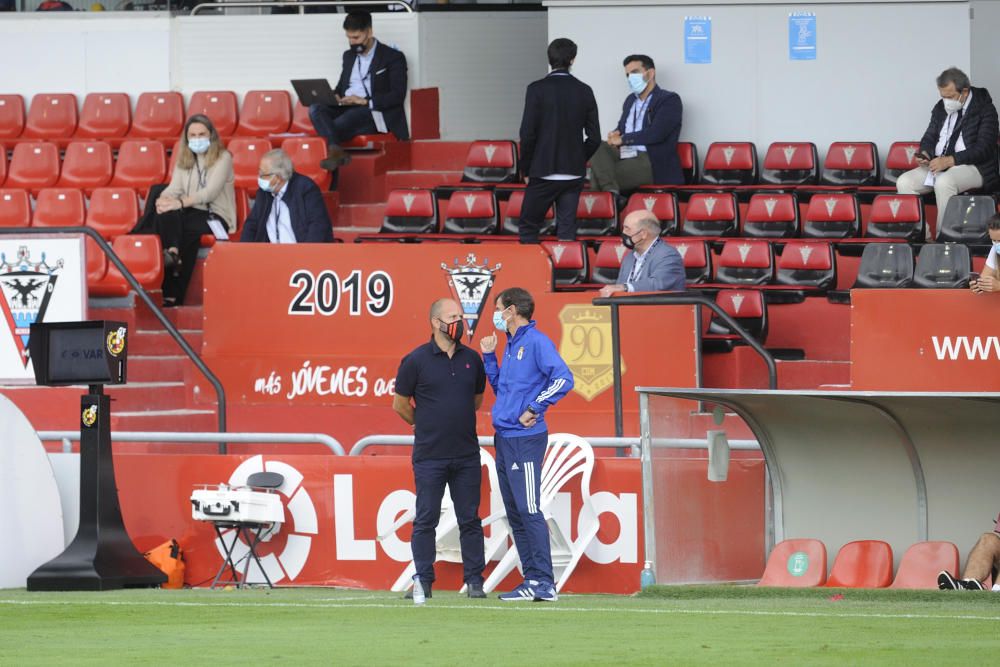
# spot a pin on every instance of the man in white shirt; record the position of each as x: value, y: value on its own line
x: 288, y: 207
x: 652, y: 266
x: 958, y: 152
x: 989, y: 281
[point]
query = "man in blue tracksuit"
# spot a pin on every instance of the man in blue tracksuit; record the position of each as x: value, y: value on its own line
x: 533, y: 377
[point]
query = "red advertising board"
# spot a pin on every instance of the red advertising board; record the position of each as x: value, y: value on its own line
x: 327, y: 325
x: 925, y: 340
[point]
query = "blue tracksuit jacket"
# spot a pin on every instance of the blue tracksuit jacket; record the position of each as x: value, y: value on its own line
x: 533, y: 374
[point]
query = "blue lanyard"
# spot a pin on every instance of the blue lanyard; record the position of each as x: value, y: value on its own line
x: 639, y: 111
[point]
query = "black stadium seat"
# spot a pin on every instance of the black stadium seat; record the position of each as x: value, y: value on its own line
x: 943, y: 266
x: 791, y: 163
x: 885, y: 265
x: 965, y: 219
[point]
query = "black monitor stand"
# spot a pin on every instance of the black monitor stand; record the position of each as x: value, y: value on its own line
x: 101, y: 556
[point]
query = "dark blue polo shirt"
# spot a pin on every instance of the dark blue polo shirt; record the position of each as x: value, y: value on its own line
x: 444, y: 390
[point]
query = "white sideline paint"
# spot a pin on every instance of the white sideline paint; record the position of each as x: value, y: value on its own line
x: 551, y: 608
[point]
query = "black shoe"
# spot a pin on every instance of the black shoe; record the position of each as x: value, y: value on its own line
x: 971, y: 585
x: 946, y: 582
x: 427, y: 591
x: 475, y: 591
x: 336, y: 157
x: 171, y: 262
x: 621, y: 202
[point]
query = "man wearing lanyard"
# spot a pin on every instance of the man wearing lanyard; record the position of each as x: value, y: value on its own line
x: 288, y: 207
x: 959, y: 149
x: 369, y: 95
x: 652, y: 265
x: 642, y: 149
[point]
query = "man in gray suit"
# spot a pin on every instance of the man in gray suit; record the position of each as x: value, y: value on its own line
x: 652, y: 266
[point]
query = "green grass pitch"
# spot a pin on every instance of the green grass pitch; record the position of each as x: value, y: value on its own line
x: 666, y: 625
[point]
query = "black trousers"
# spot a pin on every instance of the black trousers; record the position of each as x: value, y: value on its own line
x: 181, y: 229
x: 539, y: 195
x: 339, y: 124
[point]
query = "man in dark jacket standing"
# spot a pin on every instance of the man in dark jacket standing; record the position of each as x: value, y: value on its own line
x: 643, y: 148
x: 559, y: 133
x: 959, y: 149
x: 369, y: 95
x: 288, y: 207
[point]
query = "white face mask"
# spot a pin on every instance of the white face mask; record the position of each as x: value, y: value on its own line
x: 951, y: 106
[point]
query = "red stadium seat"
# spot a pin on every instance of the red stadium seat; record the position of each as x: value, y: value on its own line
x: 51, y: 116
x: 113, y: 211
x: 512, y: 216
x: 15, y: 208
x: 832, y: 216
x: 608, y: 262
x: 35, y: 165
x: 851, y: 164
x: 104, y: 116
x: 688, y: 154
x: 143, y: 256
x: 3, y: 164
x: 596, y: 214
x: 922, y: 562
x: 807, y: 264
x: 301, y: 123
x: 158, y: 116
x: 862, y: 564
x: 246, y: 160
x: 900, y: 160
x: 86, y: 165
x: 306, y: 154
x: 885, y: 265
x: 897, y: 216
x: 410, y: 212
x: 791, y: 163
x: 220, y: 107
x: 772, y: 215
x: 471, y: 212
x: 242, y: 211
x: 59, y: 207
x: 661, y: 204
x: 569, y: 261
x: 368, y: 142
x: 745, y: 262
x: 141, y: 163
x: 747, y: 307
x: 711, y: 214
x: 97, y: 262
x: 11, y: 117
x: 265, y: 112
x: 697, y: 260
x: 943, y: 266
x: 491, y: 162
x: 732, y: 163
x: 796, y: 563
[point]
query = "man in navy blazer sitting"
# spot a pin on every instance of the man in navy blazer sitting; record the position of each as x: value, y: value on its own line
x: 288, y: 207
x: 652, y: 266
x: 643, y: 148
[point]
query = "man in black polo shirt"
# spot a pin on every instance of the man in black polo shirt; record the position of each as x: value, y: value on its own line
x: 439, y: 387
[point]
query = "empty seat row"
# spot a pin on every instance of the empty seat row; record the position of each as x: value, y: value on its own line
x: 157, y: 115
x: 801, y: 563
x: 141, y: 163
x: 142, y: 255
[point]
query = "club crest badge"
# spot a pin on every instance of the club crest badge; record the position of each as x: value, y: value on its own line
x: 470, y: 284
x: 116, y: 341
x: 89, y: 417
x: 586, y: 347
x: 26, y: 287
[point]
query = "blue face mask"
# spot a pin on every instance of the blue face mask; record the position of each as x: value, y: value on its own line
x: 264, y: 183
x: 498, y: 321
x: 199, y: 145
x: 636, y: 82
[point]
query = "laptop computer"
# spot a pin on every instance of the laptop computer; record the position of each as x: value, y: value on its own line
x: 314, y: 91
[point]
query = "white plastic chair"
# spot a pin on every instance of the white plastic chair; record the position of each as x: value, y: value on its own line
x: 447, y: 541
x: 566, y: 456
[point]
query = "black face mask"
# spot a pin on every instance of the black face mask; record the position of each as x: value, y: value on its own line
x: 454, y: 330
x: 358, y: 48
x: 627, y: 241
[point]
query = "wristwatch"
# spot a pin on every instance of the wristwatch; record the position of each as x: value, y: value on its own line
x: 532, y: 410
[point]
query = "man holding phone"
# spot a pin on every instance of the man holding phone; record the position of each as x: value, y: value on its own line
x: 989, y: 281
x: 958, y: 152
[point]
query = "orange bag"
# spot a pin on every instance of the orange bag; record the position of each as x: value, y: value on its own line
x: 169, y: 558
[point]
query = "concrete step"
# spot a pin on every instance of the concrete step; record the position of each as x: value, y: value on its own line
x: 140, y: 318
x: 810, y: 374
x: 147, y: 396
x: 162, y: 368
x: 182, y: 419
x: 420, y: 179
x: 160, y: 343
x: 366, y: 218
x: 438, y: 155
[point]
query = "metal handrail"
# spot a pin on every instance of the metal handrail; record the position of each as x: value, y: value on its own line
x: 671, y: 299
x: 220, y: 392
x: 292, y: 3
x: 630, y: 442
x: 329, y: 441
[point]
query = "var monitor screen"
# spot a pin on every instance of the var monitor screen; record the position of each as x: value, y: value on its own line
x: 65, y: 353
x: 76, y: 355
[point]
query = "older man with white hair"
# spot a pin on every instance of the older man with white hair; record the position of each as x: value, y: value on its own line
x: 652, y: 265
x: 288, y: 207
